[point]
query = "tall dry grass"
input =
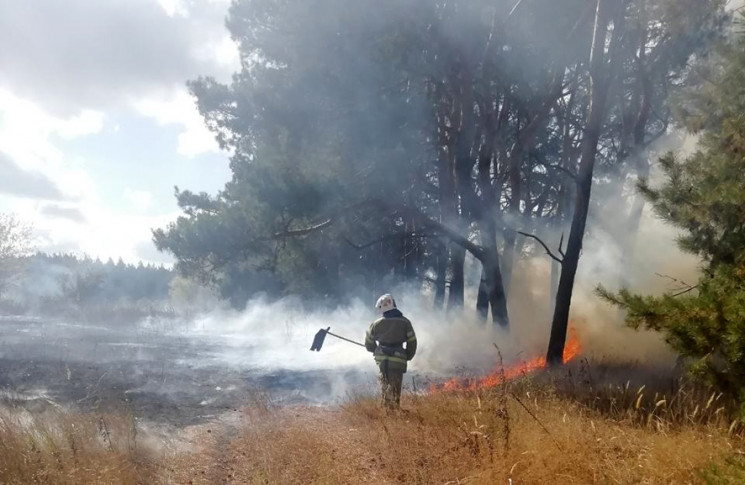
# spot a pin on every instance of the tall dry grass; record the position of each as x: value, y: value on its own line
x: 59, y: 448
x: 582, y: 425
x: 548, y: 429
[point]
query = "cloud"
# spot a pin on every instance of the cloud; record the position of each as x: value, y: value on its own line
x: 180, y: 109
x: 72, y: 54
x: 87, y: 122
x: 26, y: 130
x: 16, y: 181
x: 140, y: 199
x: 81, y: 58
x: 57, y: 211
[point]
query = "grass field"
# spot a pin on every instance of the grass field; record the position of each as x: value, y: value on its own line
x: 566, y: 428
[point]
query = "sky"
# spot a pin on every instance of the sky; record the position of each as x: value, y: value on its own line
x: 96, y: 123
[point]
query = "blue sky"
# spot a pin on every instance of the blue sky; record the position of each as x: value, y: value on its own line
x: 96, y: 125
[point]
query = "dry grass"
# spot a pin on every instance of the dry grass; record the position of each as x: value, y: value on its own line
x: 570, y: 428
x: 531, y: 432
x: 59, y: 448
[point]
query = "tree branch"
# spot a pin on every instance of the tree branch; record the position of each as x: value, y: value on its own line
x: 548, y: 251
x: 304, y: 231
x: 683, y: 292
x: 456, y: 237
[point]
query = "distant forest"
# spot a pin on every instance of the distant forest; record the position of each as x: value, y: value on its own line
x: 63, y: 283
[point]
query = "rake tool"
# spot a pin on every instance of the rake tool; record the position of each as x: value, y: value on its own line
x: 321, y: 336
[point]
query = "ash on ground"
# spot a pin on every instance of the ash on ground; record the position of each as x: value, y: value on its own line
x: 156, y: 376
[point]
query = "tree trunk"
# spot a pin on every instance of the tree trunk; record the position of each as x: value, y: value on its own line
x: 441, y: 277
x: 554, y: 284
x: 599, y: 82
x: 482, y: 299
x: 566, y: 188
x: 457, y: 282
x: 495, y: 287
x: 498, y: 299
x: 508, y: 254
x: 491, y: 289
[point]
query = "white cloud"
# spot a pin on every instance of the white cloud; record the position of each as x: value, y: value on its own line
x: 227, y: 53
x: 26, y: 130
x: 173, y: 7
x: 141, y: 200
x: 223, y: 51
x: 27, y: 137
x: 88, y: 122
x: 180, y: 109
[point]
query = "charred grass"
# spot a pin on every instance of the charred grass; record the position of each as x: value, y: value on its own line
x: 579, y: 426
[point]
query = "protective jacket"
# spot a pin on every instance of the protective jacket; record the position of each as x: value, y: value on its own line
x: 386, y: 338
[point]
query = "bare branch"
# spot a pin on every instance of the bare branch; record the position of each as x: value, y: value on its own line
x: 514, y: 8
x: 304, y: 231
x: 548, y: 251
x: 675, y: 280
x: 445, y: 231
x: 683, y: 292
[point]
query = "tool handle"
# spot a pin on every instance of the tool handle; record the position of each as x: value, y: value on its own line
x: 344, y: 338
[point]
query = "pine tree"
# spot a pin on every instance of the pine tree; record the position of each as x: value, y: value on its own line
x: 704, y: 194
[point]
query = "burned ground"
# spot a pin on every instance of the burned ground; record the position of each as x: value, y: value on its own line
x: 160, y: 376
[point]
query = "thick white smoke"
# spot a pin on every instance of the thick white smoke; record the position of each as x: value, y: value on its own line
x: 277, y: 335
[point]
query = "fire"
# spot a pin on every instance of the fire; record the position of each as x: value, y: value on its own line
x: 571, y: 350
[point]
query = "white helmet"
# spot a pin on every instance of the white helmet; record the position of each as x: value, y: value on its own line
x: 385, y: 303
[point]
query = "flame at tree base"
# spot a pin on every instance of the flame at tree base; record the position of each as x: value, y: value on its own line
x: 572, y: 349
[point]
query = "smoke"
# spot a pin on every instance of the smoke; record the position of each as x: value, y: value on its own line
x: 277, y: 335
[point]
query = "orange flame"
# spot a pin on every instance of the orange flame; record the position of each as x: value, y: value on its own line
x: 571, y: 350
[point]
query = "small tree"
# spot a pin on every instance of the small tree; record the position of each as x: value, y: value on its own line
x: 705, y: 196
x: 15, y: 244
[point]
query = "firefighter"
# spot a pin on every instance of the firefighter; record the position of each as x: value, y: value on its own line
x: 392, y: 341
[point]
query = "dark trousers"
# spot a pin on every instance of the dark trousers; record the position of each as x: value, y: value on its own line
x: 391, y: 380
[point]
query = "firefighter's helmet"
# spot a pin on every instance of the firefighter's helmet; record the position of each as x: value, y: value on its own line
x: 385, y: 303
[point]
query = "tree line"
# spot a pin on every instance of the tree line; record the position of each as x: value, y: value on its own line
x: 49, y: 283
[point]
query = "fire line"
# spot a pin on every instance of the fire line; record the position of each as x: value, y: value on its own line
x: 572, y: 349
